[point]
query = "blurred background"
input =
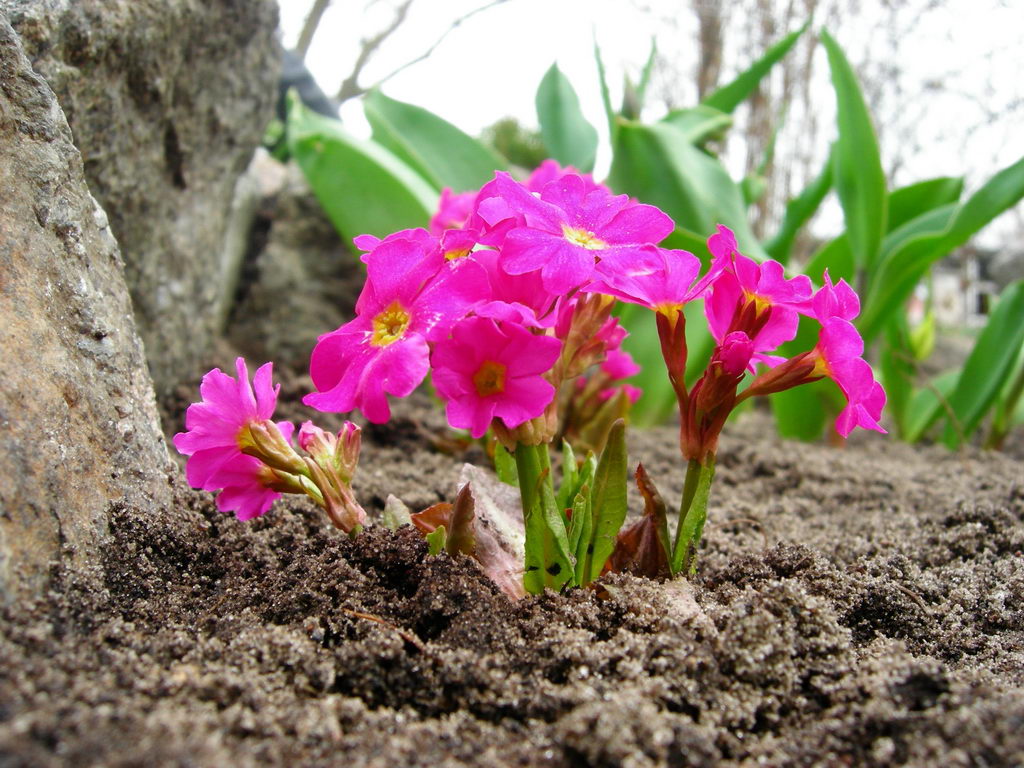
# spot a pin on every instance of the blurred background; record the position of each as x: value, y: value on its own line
x: 879, y: 140
x: 941, y: 77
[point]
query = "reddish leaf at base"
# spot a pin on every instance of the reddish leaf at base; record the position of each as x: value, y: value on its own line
x: 641, y: 547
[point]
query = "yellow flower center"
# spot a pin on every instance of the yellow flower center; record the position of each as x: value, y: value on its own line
x: 458, y: 253
x: 583, y: 238
x: 490, y: 379
x: 389, y: 326
x: 761, y: 304
x: 820, y: 365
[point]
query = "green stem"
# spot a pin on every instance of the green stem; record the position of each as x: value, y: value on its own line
x: 547, y: 563
x: 530, y: 466
x: 693, y: 511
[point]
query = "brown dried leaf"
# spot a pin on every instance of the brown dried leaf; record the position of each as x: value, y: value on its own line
x: 642, y: 547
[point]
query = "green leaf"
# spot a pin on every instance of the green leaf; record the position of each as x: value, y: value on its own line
x: 396, y: 514
x: 699, y: 342
x: 903, y: 267
x: 567, y: 134
x: 928, y: 404
x: 801, y: 413
x: 837, y: 258
x: 505, y: 465
x: 837, y: 255
x: 685, y: 240
x: 436, y: 149
x: 362, y: 187
x: 799, y: 211
x: 731, y: 95
x: 898, y: 368
x: 693, y: 513
x: 608, y: 503
x: 436, y: 540
x: 658, y: 165
x: 911, y: 201
x: 645, y: 76
x: 858, y: 175
x: 581, y: 526
x: 606, y: 98
x: 1009, y: 405
x: 922, y: 338
x: 570, y: 478
x: 753, y: 188
x: 989, y: 364
x: 928, y: 223
x: 699, y: 124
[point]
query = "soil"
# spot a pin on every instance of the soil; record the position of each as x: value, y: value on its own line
x: 856, y: 606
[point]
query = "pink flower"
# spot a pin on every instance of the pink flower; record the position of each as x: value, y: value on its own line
x: 244, y: 484
x: 405, y: 303
x: 228, y: 405
x: 865, y: 396
x: 456, y: 244
x: 562, y: 232
x: 733, y: 354
x: 704, y: 411
x: 838, y: 356
x: 219, y: 427
x: 619, y: 364
x: 487, y: 371
x: 453, y: 210
x: 631, y: 392
x: 839, y: 300
x: 415, y: 238
x: 657, y: 278
x: 754, y: 298
x: 333, y: 464
x: 515, y: 298
x: 550, y: 170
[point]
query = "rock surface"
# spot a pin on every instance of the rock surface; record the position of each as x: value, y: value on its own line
x: 77, y: 411
x: 167, y: 100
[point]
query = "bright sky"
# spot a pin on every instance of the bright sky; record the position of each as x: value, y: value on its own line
x: 489, y: 67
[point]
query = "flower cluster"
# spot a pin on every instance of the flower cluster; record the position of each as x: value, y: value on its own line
x: 493, y: 302
x: 234, y: 447
x: 506, y: 301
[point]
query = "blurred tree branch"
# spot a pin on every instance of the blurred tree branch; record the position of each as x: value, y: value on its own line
x: 309, y: 26
x: 350, y: 87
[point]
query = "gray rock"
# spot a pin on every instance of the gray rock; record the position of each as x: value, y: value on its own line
x: 167, y: 100
x: 78, y: 420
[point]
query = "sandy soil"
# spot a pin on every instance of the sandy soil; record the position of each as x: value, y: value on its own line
x: 853, y: 607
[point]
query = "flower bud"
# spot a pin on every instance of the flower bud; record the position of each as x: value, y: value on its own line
x: 734, y: 353
x: 339, y: 453
x: 264, y: 441
x: 331, y: 465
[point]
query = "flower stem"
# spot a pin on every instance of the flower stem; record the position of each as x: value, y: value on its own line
x: 547, y: 547
x: 693, y: 511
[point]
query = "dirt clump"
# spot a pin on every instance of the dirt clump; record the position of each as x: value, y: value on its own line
x: 853, y: 607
